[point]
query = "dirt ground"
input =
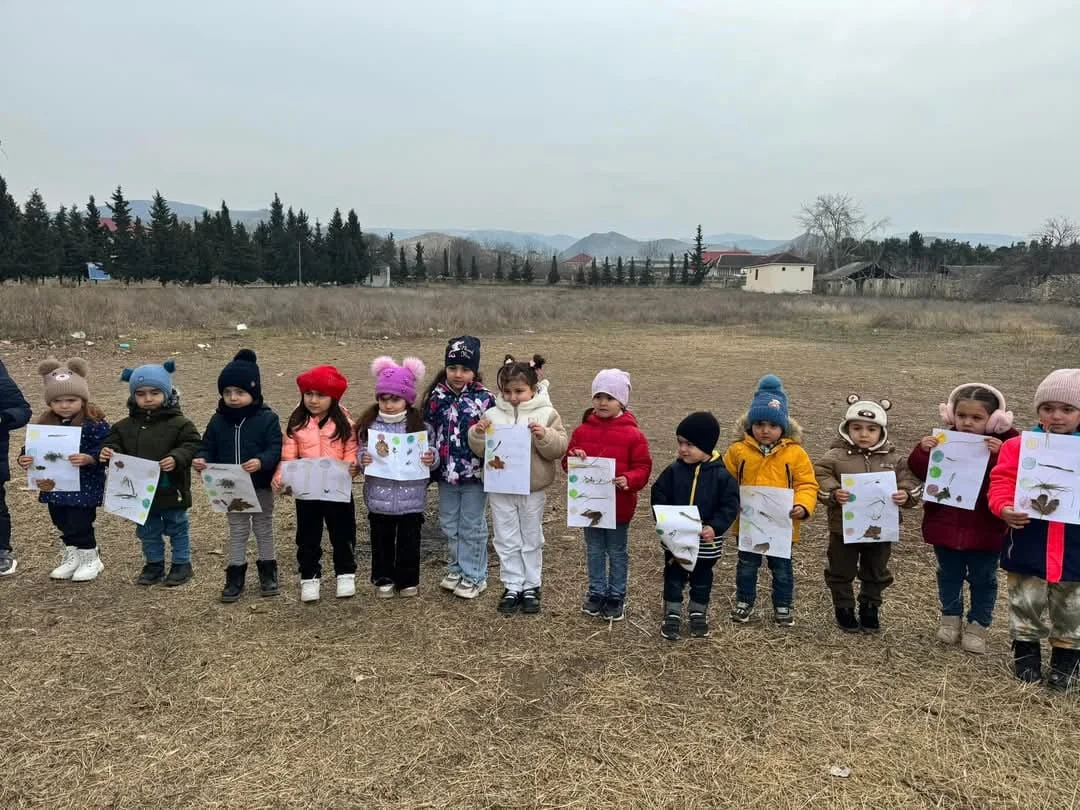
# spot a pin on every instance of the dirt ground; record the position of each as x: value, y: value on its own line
x: 117, y: 696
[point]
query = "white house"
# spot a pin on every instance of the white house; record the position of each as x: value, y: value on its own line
x: 780, y: 273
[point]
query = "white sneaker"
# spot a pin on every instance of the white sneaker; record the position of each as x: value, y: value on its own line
x: 90, y: 565
x: 346, y: 585
x: 68, y: 565
x: 470, y: 590
x: 413, y: 591
x: 450, y: 582
x: 381, y: 591
x: 309, y: 590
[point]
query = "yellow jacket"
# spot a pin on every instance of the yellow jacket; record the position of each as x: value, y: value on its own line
x: 787, y: 466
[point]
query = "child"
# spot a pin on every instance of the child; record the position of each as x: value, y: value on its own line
x: 454, y: 403
x: 320, y: 428
x: 1042, y: 557
x: 967, y: 543
x: 609, y: 430
x: 863, y: 446
x: 518, y: 520
x: 73, y: 513
x: 395, y: 508
x: 697, y: 477
x: 14, y: 413
x: 245, y: 431
x: 156, y: 429
x: 767, y: 453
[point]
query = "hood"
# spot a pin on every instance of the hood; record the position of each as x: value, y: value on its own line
x: 846, y: 437
x: 170, y: 408
x: 625, y: 418
x: 842, y: 442
x: 742, y: 430
x: 541, y: 400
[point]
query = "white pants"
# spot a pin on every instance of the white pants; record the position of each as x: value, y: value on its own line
x: 518, y: 521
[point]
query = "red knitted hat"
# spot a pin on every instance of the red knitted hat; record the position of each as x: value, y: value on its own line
x: 324, y: 379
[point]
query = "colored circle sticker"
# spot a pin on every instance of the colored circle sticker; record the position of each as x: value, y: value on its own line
x: 208, y: 478
x: 410, y: 438
x: 146, y: 502
x: 659, y: 532
x: 150, y: 487
x: 849, y: 531
x: 851, y: 497
x: 1029, y: 464
x: 849, y: 516
x: 937, y: 455
x: 396, y: 440
x: 212, y: 493
x: 931, y: 489
x: 491, y: 443
x: 935, y: 472
x: 572, y: 493
x: 941, y: 438
x: 1031, y: 444
x: 848, y: 482
x: 573, y: 479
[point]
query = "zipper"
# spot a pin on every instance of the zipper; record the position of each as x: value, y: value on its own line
x: 236, y: 440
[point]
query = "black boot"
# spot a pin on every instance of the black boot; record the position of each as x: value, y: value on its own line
x: 179, y: 573
x: 234, y: 582
x: 268, y: 584
x: 1027, y: 661
x: 845, y: 619
x: 868, y: 617
x: 1064, y: 675
x: 152, y: 574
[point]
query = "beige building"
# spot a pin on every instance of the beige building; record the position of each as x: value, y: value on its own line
x: 780, y: 273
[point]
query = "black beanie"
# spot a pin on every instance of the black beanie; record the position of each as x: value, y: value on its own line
x: 463, y: 351
x: 242, y: 373
x: 700, y: 429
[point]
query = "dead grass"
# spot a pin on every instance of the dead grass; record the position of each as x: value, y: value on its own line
x: 119, y: 697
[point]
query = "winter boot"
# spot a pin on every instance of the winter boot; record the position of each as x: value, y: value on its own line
x: 179, y: 573
x: 845, y: 619
x: 868, y: 617
x: 90, y: 565
x: 152, y: 574
x: 234, y: 582
x: 268, y: 582
x: 1064, y: 673
x: 948, y: 631
x: 1027, y: 661
x: 68, y: 565
x: 974, y: 639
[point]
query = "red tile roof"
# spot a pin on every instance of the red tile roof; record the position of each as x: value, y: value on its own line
x: 581, y: 258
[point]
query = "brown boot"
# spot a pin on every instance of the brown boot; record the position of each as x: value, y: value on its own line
x: 974, y: 639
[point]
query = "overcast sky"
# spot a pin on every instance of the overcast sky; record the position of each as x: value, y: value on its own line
x: 641, y: 116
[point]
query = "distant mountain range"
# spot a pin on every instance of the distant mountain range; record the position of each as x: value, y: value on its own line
x: 988, y: 239
x: 490, y: 238
x: 187, y: 211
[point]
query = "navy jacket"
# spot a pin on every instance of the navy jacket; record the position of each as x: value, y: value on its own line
x: 715, y: 492
x: 14, y: 413
x: 258, y: 436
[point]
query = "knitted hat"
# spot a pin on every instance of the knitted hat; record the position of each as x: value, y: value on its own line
x: 866, y: 410
x: 243, y: 373
x: 463, y: 351
x: 615, y: 383
x: 390, y: 378
x: 67, y: 379
x: 770, y: 403
x: 1062, y: 385
x: 151, y: 376
x: 324, y: 379
x: 1000, y: 420
x: 700, y: 429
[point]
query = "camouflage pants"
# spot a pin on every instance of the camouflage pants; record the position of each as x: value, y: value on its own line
x: 1031, y: 598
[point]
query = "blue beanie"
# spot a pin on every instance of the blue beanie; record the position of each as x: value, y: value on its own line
x: 150, y: 376
x: 769, y: 403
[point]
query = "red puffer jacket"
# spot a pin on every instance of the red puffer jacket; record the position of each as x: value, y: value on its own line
x: 961, y: 529
x: 620, y: 439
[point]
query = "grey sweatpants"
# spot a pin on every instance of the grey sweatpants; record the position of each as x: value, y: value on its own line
x: 241, y: 525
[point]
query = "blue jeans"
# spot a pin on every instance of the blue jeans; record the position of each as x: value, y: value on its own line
x: 161, y: 522
x: 979, y: 568
x: 608, y: 559
x: 746, y: 573
x: 463, y: 520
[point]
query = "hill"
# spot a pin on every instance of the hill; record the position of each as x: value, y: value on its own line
x: 744, y: 241
x: 189, y: 212
x: 614, y: 245
x: 494, y: 239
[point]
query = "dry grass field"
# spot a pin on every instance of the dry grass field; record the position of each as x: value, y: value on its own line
x: 113, y: 696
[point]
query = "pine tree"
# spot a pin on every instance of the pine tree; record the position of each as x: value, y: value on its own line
x: 336, y: 253
x: 244, y: 259
x: 9, y: 233
x: 553, y: 273
x: 631, y: 276
x: 594, y: 274
x: 277, y: 250
x: 685, y: 278
x: 125, y: 261
x: 403, y: 266
x: 419, y: 268
x: 646, y: 279
x: 36, y: 257
x: 527, y: 275
x: 162, y: 242
x: 459, y: 269
x: 474, y: 269
x: 698, y: 259
x: 97, y: 238
x: 139, y: 248
x: 620, y: 274
x: 498, y: 269
x: 579, y: 276
x: 446, y: 263
x: 515, y: 271
x: 75, y: 248
x: 360, y: 268
x: 671, y: 269
x: 606, y: 278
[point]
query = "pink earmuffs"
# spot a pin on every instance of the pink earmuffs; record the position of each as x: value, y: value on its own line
x: 1000, y: 420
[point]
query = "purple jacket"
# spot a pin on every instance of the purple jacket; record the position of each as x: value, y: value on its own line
x: 384, y: 496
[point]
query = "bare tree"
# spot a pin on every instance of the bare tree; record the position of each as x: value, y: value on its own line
x: 839, y: 223
x: 651, y: 250
x: 1059, y: 231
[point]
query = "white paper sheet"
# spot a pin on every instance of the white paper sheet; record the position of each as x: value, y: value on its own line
x: 51, y: 446
x: 396, y: 456
x: 317, y: 479
x: 590, y: 492
x: 1048, y: 476
x: 229, y: 488
x: 957, y: 469
x: 679, y: 528
x: 130, y: 485
x: 870, y: 516
x: 507, y: 459
x: 765, y: 524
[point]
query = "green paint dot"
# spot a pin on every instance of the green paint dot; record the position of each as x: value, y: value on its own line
x: 212, y: 493
x: 150, y: 487
x: 146, y: 503
x: 572, y: 493
x: 660, y: 532
x: 849, y: 515
x: 396, y: 440
x: 937, y: 455
x: 935, y: 472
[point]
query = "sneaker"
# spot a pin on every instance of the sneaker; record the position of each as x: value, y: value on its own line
x: 346, y: 586
x: 309, y: 589
x: 845, y: 619
x: 8, y: 563
x: 741, y: 613
x: 268, y: 578
x: 699, y: 625
x: 669, y: 629
x: 68, y: 565
x: 179, y: 573
x: 1027, y: 661
x: 510, y: 601
x: 1064, y: 670
x: 613, y: 609
x: 784, y: 616
x: 467, y: 589
x: 530, y: 600
x: 152, y: 574
x: 90, y: 565
x: 948, y: 631
x: 868, y: 617
x: 974, y: 639
x: 593, y: 605
x: 385, y: 590
x: 412, y: 590
x: 450, y: 582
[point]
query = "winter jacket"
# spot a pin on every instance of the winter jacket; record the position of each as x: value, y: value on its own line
x: 620, y: 439
x: 91, y: 476
x: 257, y: 436
x: 709, y: 486
x: 546, y: 449
x: 14, y: 413
x: 384, y: 496
x: 315, y: 441
x: 843, y: 458
x: 960, y: 529
x: 154, y: 435
x: 451, y: 415
x: 1045, y: 549
x: 785, y: 465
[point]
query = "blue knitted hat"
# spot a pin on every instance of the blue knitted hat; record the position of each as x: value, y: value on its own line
x: 769, y: 404
x: 153, y: 375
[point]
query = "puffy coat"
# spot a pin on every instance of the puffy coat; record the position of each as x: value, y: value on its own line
x: 257, y: 436
x: 845, y: 458
x: 451, y: 415
x: 384, y: 496
x: 91, y: 476
x: 786, y: 465
x: 620, y: 439
x: 14, y: 413
x: 316, y: 441
x: 709, y: 486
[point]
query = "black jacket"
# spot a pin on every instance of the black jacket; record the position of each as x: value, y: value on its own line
x: 14, y: 413
x: 716, y: 494
x: 258, y: 436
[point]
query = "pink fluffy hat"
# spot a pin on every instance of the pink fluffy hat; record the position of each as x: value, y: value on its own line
x: 400, y: 381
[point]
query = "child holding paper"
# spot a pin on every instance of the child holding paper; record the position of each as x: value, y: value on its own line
x: 14, y: 413
x: 768, y: 453
x: 862, y: 446
x: 1042, y: 557
x: 395, y: 508
x: 518, y: 520
x: 967, y: 543
x: 697, y: 477
x: 609, y: 430
x: 156, y: 429
x: 320, y: 428
x: 245, y: 431
x: 73, y: 513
